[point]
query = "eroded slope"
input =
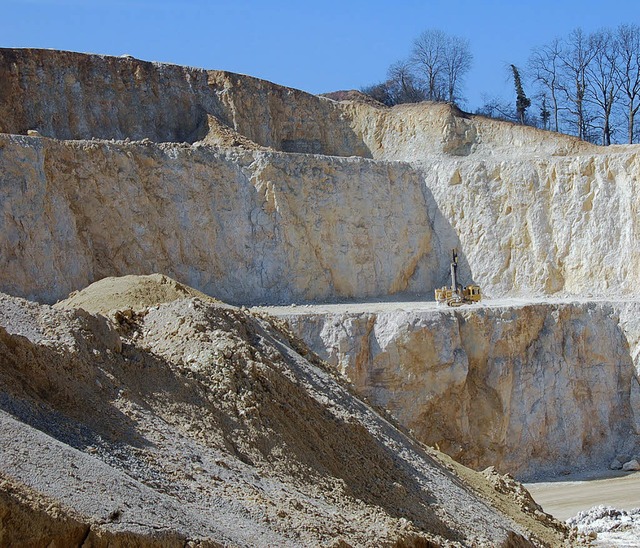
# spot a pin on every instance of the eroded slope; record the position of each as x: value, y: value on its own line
x: 66, y: 95
x: 191, y: 421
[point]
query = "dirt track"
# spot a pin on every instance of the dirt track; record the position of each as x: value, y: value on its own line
x: 412, y: 304
x: 564, y: 499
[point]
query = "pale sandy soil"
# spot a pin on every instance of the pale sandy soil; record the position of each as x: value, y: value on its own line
x: 564, y: 499
x: 185, y: 421
x: 620, y: 490
x: 410, y: 305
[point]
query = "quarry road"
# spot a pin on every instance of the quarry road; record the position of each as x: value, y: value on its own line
x: 410, y: 305
x: 564, y: 499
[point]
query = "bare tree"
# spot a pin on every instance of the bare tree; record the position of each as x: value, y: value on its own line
x: 457, y: 62
x: 403, y: 84
x: 628, y: 71
x: 575, y: 58
x: 544, y: 66
x: 441, y: 61
x: 428, y: 58
x: 381, y: 92
x: 498, y: 108
x: 602, y: 79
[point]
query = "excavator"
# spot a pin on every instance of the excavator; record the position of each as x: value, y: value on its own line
x: 457, y: 295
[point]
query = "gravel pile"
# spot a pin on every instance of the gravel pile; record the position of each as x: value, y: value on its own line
x: 193, y: 422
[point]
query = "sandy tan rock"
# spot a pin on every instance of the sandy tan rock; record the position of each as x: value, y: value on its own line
x: 531, y: 211
x: 246, y: 226
x: 528, y: 388
x: 95, y: 96
x: 545, y: 225
x: 134, y: 293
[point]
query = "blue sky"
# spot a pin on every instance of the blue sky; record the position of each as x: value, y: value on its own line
x: 314, y: 46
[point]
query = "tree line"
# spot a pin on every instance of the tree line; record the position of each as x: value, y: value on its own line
x: 434, y: 71
x: 584, y: 84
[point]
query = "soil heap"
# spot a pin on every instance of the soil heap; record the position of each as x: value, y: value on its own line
x: 182, y: 420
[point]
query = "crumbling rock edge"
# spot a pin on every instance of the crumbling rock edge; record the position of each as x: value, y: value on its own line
x: 535, y: 387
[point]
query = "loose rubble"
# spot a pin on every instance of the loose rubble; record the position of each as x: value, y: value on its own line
x: 191, y: 421
x: 609, y: 526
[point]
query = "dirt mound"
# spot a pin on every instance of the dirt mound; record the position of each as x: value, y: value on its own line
x: 215, y: 133
x: 130, y: 293
x: 201, y: 423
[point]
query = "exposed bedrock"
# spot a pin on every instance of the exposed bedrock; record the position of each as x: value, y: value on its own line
x: 67, y: 95
x: 545, y: 225
x: 533, y: 212
x: 531, y: 389
x: 530, y: 211
x: 246, y: 226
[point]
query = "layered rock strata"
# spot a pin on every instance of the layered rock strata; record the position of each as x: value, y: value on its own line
x: 248, y: 226
x: 67, y: 95
x: 255, y: 193
x: 530, y: 211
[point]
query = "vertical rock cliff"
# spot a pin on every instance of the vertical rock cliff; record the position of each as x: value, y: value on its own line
x: 531, y: 211
x: 248, y: 226
x: 531, y: 389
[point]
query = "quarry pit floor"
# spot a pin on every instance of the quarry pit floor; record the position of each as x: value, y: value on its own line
x: 571, y: 494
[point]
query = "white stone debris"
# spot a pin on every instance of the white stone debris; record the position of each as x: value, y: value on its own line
x: 611, y: 526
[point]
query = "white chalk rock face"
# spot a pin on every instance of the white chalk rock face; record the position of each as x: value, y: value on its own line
x: 247, y: 226
x: 529, y: 389
x: 545, y: 225
x: 530, y: 211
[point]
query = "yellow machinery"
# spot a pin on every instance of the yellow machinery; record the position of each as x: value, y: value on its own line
x: 456, y: 295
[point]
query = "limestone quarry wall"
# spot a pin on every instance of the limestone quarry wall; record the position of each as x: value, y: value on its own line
x: 285, y: 119
x: 67, y: 95
x: 530, y: 211
x: 288, y: 207
x: 415, y: 132
x: 545, y: 225
x: 533, y: 212
x: 530, y: 389
x: 244, y: 226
